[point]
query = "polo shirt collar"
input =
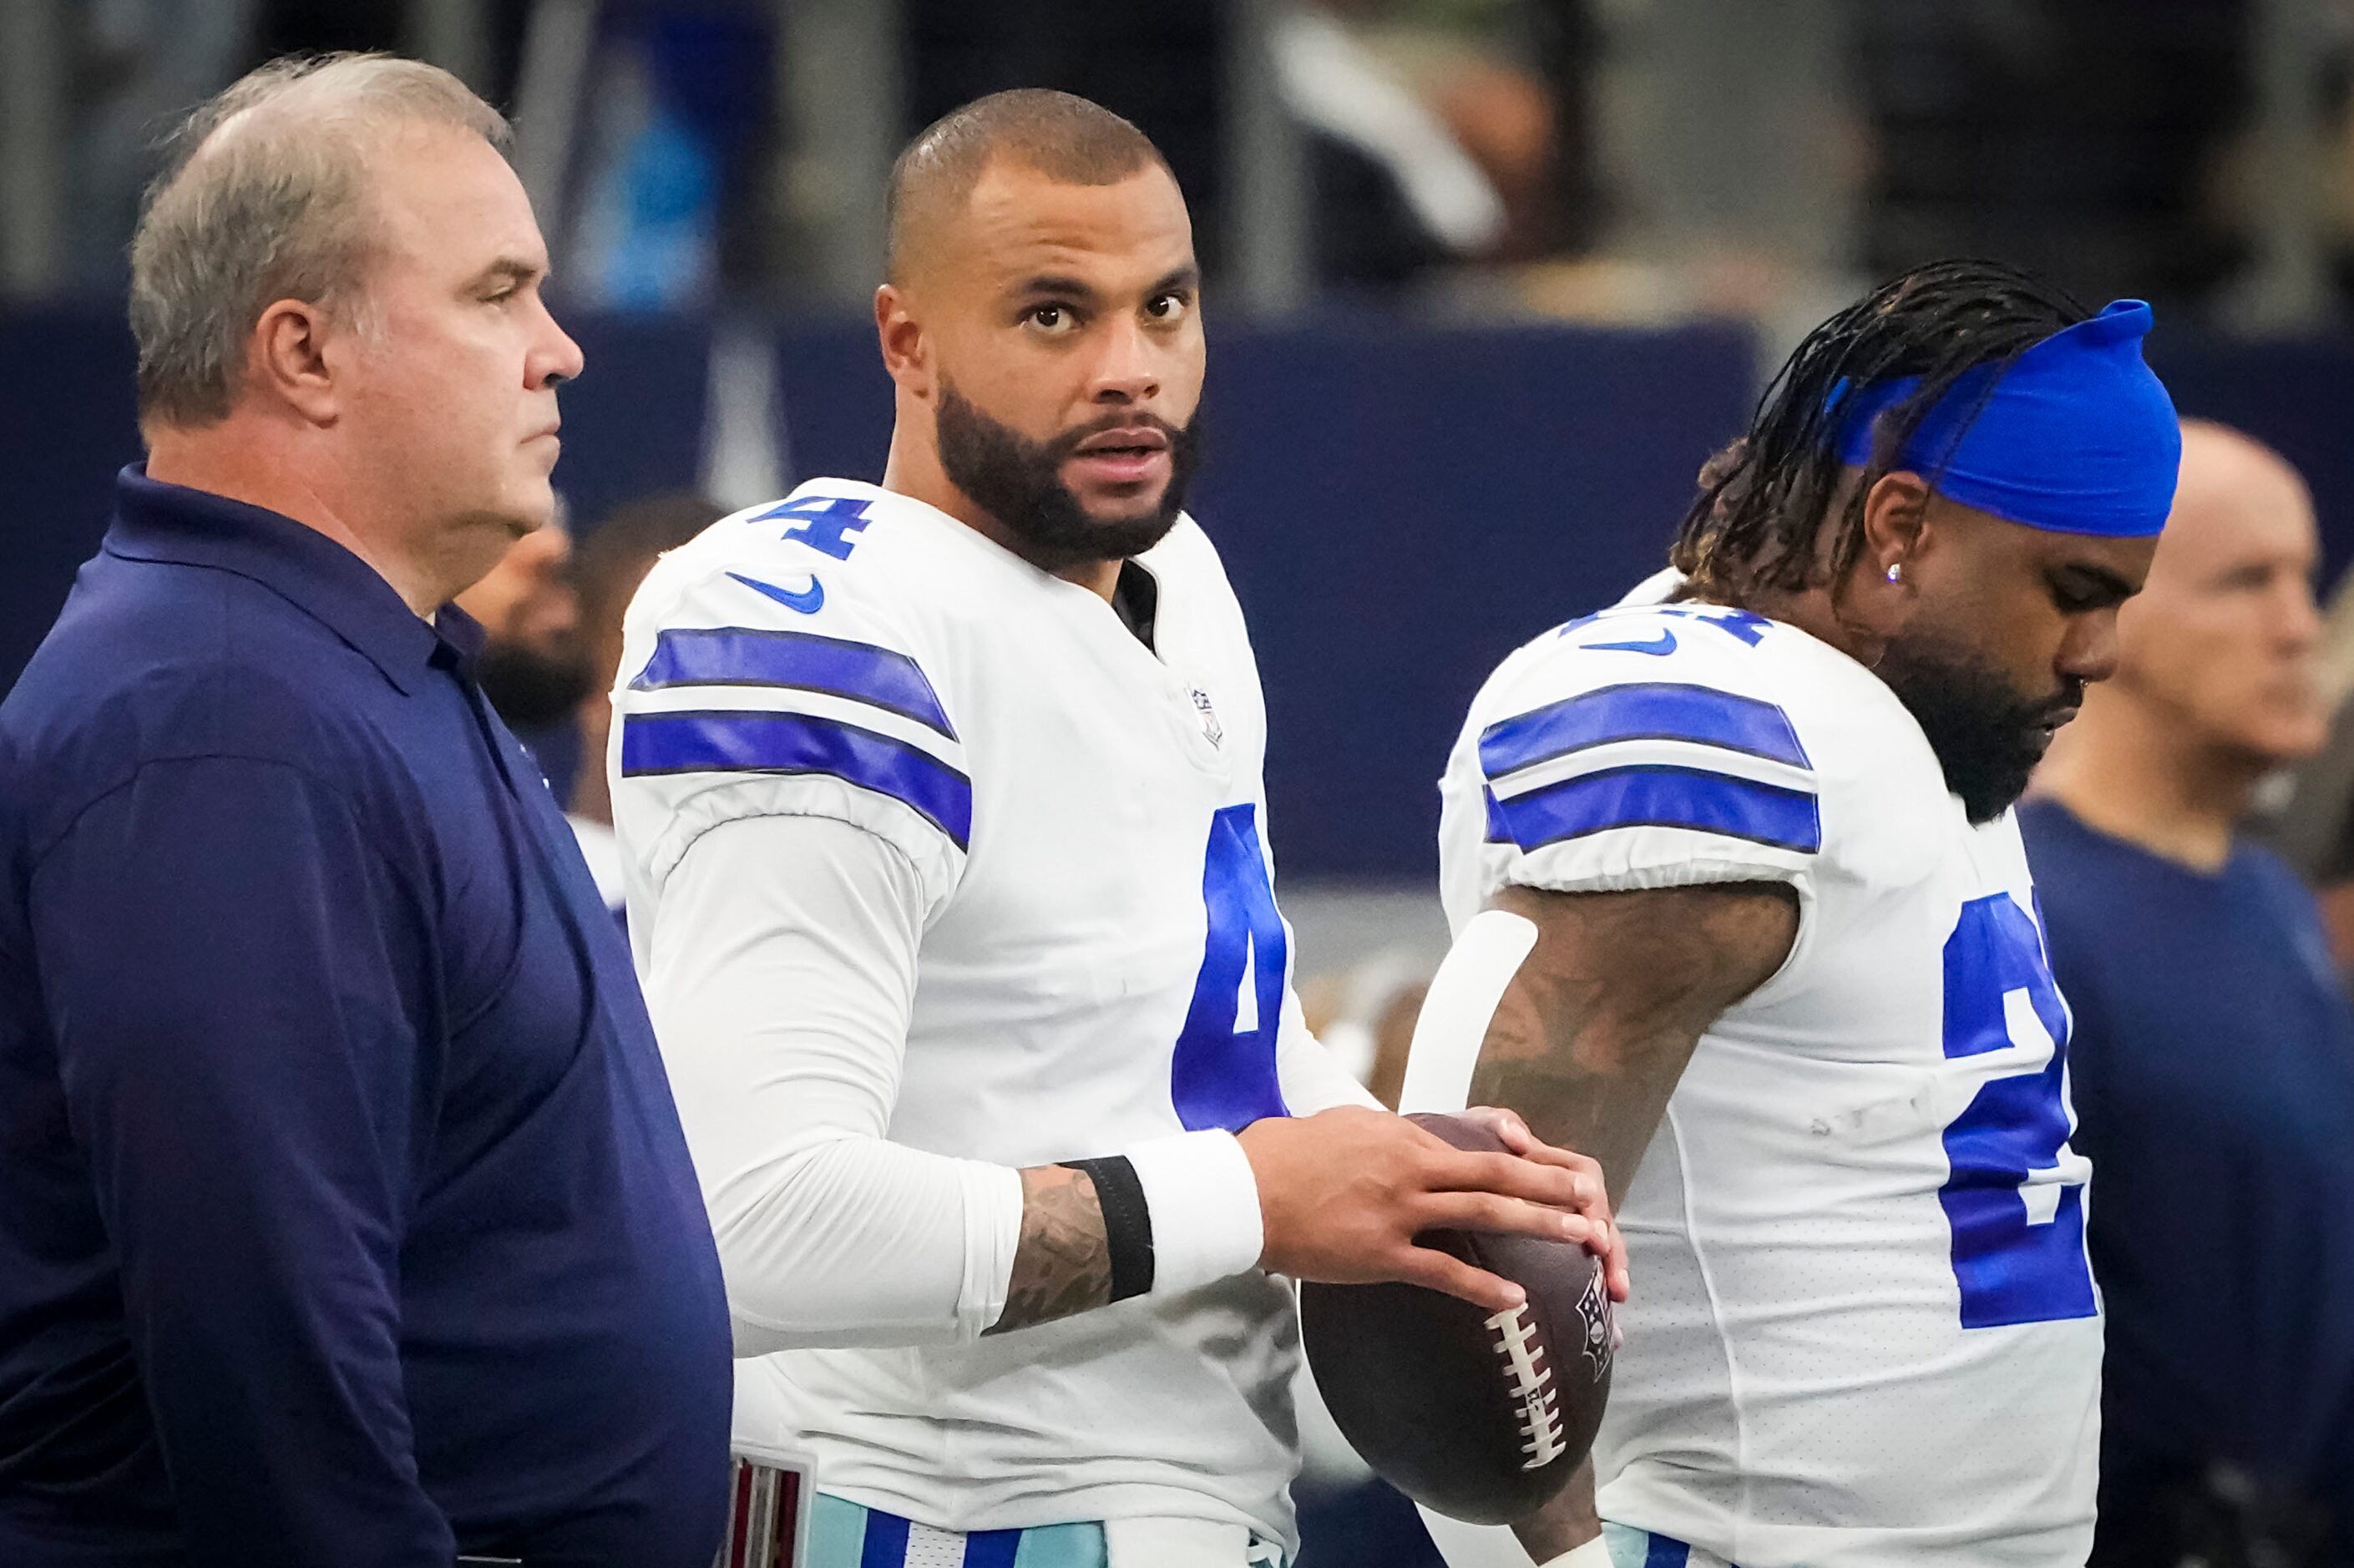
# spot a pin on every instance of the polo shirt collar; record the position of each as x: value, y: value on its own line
x: 170, y: 523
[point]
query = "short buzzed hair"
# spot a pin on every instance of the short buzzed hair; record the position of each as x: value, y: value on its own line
x: 277, y: 208
x: 1059, y: 135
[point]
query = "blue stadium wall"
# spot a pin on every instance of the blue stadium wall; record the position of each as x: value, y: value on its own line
x: 1398, y: 505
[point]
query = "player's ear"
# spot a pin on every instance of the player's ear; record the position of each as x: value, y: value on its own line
x: 906, y: 352
x: 1895, y: 519
x: 1876, y: 597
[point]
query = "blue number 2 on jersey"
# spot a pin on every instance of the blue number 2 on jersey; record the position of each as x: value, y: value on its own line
x: 1222, y: 1076
x: 2012, y: 1269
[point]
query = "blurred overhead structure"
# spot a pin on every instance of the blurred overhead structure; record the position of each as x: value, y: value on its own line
x: 841, y: 82
x: 2082, y: 138
x: 1654, y: 160
x: 1269, y: 195
x: 1730, y: 129
x: 2288, y: 285
x: 456, y: 36
x: 558, y: 41
x: 33, y: 122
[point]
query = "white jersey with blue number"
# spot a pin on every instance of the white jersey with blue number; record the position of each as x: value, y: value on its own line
x: 1101, y: 961
x: 1863, y: 1331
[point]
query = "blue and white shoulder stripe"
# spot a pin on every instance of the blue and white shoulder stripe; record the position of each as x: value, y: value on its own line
x: 737, y: 700
x: 827, y: 707
x: 1651, y: 767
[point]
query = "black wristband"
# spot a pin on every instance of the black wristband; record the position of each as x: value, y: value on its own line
x: 1127, y: 1222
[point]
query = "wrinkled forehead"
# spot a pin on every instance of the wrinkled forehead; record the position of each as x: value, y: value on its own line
x: 1019, y: 222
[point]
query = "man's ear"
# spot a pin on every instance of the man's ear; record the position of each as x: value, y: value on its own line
x: 1895, y: 516
x: 907, y: 350
x: 287, y: 357
x: 1877, y: 596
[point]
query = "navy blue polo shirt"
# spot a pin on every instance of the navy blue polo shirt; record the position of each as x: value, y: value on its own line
x: 345, y: 1215
x: 2213, y: 1067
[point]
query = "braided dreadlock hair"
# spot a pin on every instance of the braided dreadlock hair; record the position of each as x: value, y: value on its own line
x: 1765, y: 502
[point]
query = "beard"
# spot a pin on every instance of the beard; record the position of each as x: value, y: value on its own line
x: 531, y: 688
x: 1019, y: 481
x: 1987, y: 736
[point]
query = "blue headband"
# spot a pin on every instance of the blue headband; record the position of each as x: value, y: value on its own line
x: 2076, y: 436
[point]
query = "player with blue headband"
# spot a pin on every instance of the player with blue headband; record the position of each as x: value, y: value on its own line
x: 1959, y: 479
x: 1747, y: 838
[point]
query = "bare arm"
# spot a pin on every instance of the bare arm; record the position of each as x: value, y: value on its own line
x: 1595, y: 1030
x: 1063, y: 1263
x: 1342, y: 1196
x: 1567, y: 1522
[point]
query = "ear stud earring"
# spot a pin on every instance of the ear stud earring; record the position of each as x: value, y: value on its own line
x: 1896, y: 573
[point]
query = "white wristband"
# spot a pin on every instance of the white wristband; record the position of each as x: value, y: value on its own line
x: 1203, y: 1200
x: 1595, y: 1553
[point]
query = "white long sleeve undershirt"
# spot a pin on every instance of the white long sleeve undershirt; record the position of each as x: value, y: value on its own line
x: 781, y: 978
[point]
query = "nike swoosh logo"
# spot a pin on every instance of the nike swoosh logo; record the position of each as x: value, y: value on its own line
x: 807, y: 601
x: 1664, y: 643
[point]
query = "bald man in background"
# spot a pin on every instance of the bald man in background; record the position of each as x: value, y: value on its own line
x: 2213, y: 1052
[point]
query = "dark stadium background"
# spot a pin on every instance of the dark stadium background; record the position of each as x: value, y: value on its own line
x: 1399, y: 505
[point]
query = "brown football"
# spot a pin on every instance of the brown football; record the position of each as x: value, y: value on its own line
x: 1481, y: 1417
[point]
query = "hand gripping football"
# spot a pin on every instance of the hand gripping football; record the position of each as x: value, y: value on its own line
x: 1481, y: 1417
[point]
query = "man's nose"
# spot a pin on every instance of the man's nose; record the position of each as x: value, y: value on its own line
x: 556, y: 358
x: 1129, y: 369
x: 2298, y: 620
x: 2089, y: 651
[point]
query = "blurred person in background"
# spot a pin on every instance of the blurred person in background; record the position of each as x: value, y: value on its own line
x: 2305, y: 813
x: 533, y: 667
x: 606, y: 570
x: 345, y: 1215
x: 2213, y: 1053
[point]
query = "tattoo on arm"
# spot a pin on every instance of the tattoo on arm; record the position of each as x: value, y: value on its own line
x: 1594, y: 1032
x: 1061, y: 1265
x: 1569, y: 1521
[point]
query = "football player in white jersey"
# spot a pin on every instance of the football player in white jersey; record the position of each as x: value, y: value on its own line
x: 948, y: 874
x: 1788, y: 982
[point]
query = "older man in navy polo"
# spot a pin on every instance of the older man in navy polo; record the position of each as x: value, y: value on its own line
x: 345, y: 1216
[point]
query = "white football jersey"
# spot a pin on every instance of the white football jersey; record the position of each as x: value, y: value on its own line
x: 1863, y: 1331
x: 1101, y: 961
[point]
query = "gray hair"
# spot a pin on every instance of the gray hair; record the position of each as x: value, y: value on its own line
x: 273, y: 207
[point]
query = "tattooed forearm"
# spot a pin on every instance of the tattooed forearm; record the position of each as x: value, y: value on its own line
x: 1062, y: 1263
x: 1566, y: 1523
x: 1595, y: 1030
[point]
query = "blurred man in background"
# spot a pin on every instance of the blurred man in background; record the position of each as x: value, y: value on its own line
x: 551, y: 618
x: 606, y: 570
x: 345, y: 1216
x: 532, y: 668
x: 2213, y: 1055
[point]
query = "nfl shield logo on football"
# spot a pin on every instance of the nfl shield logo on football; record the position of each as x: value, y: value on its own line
x: 1211, y: 730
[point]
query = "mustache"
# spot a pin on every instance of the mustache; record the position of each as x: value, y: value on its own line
x: 1065, y: 444
x: 2070, y: 697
